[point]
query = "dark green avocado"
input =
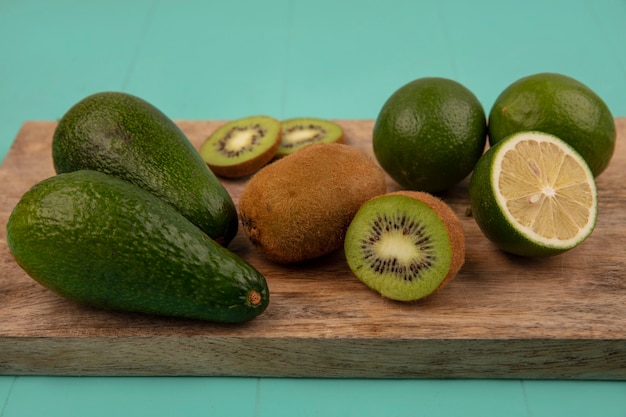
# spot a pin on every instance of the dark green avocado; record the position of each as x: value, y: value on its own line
x: 105, y: 242
x: 125, y: 136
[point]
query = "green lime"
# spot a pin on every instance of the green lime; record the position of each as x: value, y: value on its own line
x: 533, y: 195
x: 559, y: 105
x: 429, y: 134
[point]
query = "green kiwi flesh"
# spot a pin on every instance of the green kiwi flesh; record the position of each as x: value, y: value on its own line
x: 242, y: 147
x: 405, y: 245
x: 300, y: 132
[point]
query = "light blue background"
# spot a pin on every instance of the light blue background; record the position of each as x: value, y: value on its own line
x: 199, y: 59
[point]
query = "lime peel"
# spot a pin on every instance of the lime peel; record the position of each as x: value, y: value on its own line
x: 559, y: 105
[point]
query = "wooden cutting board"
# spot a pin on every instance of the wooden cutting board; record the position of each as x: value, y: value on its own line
x: 502, y: 317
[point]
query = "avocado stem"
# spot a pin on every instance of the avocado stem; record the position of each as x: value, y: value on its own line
x: 254, y: 298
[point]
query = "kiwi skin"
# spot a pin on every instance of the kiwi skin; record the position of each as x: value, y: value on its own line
x: 455, y: 231
x: 299, y: 207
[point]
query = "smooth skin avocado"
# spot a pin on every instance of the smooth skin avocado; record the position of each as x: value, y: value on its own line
x: 104, y: 242
x: 125, y: 136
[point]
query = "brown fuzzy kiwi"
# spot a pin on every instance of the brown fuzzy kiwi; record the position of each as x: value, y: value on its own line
x: 241, y: 147
x: 406, y: 245
x: 299, y: 207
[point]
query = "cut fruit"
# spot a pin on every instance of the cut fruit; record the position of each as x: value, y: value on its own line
x: 242, y: 147
x: 300, y: 132
x: 533, y: 195
x: 405, y: 245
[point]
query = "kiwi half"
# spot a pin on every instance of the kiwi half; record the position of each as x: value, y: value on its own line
x: 300, y: 132
x: 405, y: 245
x: 242, y: 147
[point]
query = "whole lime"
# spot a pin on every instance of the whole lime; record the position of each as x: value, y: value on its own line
x: 429, y: 134
x: 559, y: 105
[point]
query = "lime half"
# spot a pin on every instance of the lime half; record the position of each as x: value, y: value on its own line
x: 533, y: 195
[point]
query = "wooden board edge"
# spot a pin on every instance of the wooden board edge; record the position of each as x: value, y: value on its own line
x: 315, y: 358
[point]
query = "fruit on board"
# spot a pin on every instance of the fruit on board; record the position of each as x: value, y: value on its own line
x: 533, y: 195
x: 300, y: 132
x: 562, y: 106
x: 123, y: 135
x: 241, y: 147
x: 429, y: 134
x: 405, y: 245
x: 299, y: 207
x: 107, y: 243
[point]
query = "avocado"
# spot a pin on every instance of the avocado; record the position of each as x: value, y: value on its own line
x: 125, y: 136
x: 107, y: 243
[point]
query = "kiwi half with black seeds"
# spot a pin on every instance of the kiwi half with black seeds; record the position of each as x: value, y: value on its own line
x: 300, y: 132
x: 242, y: 147
x: 405, y: 245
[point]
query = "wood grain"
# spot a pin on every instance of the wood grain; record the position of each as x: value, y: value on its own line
x: 502, y: 317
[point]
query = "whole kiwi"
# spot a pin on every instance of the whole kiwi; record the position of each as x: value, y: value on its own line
x: 299, y: 207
